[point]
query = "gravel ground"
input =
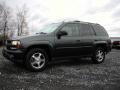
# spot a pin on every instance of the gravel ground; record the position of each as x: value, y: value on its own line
x: 63, y: 75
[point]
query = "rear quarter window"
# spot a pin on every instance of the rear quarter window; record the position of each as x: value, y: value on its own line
x: 100, y: 31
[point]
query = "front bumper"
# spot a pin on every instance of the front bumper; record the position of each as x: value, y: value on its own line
x: 15, y: 56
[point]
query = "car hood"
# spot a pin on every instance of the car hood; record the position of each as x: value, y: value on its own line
x: 19, y: 37
x: 32, y: 38
x: 25, y: 37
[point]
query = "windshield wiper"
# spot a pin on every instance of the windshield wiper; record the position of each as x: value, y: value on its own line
x: 41, y: 33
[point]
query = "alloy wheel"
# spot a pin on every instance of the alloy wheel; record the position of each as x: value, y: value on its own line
x: 37, y: 60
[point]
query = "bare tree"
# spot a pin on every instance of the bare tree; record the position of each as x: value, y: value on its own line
x: 21, y: 20
x: 4, y: 18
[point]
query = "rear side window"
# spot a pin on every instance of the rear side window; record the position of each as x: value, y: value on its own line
x: 100, y: 31
x: 71, y: 29
x: 86, y: 30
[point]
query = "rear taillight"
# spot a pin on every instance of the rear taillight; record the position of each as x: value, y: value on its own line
x: 119, y: 42
x: 116, y: 42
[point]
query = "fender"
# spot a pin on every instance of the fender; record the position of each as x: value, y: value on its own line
x: 104, y: 44
x: 100, y: 42
x: 39, y: 43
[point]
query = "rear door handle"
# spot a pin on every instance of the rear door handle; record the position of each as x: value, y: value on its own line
x: 95, y: 40
x: 77, y: 40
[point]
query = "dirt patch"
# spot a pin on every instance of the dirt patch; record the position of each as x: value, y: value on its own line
x: 65, y: 74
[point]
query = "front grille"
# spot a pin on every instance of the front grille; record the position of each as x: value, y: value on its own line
x: 8, y: 42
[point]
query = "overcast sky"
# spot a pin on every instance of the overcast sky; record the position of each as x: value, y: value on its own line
x: 104, y: 12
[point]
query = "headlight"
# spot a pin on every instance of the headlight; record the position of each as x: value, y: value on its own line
x: 15, y: 43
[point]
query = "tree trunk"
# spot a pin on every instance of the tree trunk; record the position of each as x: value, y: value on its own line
x: 4, y: 32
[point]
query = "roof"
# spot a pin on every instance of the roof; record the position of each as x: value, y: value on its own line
x: 76, y: 21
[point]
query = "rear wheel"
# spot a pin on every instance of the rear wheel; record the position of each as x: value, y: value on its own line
x: 99, y: 55
x: 36, y: 59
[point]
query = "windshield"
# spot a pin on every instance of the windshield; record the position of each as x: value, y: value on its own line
x: 48, y: 28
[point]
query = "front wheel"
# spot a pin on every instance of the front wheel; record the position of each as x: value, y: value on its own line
x: 36, y: 59
x: 99, y: 55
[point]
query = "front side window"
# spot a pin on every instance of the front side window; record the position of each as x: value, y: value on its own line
x: 71, y: 29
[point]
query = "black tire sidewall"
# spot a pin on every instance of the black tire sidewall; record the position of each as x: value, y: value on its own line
x: 28, y: 57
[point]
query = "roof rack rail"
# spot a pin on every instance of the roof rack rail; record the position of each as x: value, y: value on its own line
x: 76, y: 21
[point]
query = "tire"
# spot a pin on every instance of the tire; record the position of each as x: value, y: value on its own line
x: 36, y: 59
x: 99, y: 55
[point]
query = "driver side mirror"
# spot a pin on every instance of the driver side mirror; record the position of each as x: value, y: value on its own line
x: 61, y: 33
